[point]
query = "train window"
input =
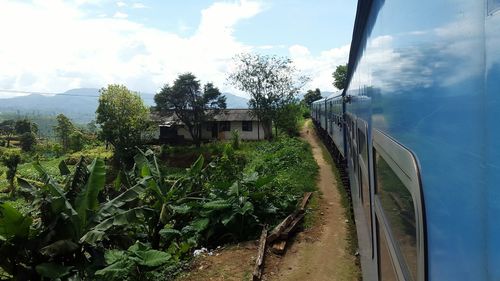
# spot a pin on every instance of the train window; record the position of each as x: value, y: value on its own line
x: 493, y: 6
x: 385, y: 268
x: 362, y: 146
x: 397, y: 204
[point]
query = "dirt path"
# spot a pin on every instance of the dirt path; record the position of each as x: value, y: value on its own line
x: 324, y: 257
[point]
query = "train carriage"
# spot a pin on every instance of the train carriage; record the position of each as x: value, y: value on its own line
x: 420, y: 138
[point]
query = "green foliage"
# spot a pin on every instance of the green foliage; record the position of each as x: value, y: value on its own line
x: 235, y: 139
x: 133, y: 263
x: 340, y: 77
x: 311, y: 96
x: 24, y: 126
x: 63, y: 129
x: 190, y: 103
x: 11, y: 159
x: 123, y: 118
x: 288, y: 119
x: 145, y: 223
x: 271, y: 82
x: 27, y: 141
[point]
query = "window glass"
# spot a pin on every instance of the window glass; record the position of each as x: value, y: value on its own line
x: 385, y: 268
x: 363, y: 151
x: 246, y: 126
x: 397, y: 204
x: 493, y: 6
x: 225, y: 126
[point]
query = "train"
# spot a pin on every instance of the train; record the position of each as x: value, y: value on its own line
x: 416, y: 131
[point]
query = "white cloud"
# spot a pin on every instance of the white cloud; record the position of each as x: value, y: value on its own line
x: 138, y: 5
x: 121, y: 4
x: 60, y: 47
x: 120, y: 15
x: 319, y: 68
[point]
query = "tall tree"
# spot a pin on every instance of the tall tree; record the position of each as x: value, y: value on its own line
x: 63, y: 130
x: 272, y: 83
x: 340, y: 77
x: 190, y: 103
x: 24, y: 126
x: 123, y: 119
x: 11, y: 158
x: 311, y: 96
x: 7, y: 128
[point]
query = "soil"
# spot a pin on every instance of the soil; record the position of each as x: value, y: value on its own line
x: 316, y: 254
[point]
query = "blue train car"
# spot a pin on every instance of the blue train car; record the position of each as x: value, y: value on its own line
x: 422, y: 144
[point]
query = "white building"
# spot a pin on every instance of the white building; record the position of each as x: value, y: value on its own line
x: 249, y: 128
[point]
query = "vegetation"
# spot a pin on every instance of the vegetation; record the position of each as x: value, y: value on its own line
x: 272, y: 83
x: 89, y: 221
x: 124, y: 120
x: 190, y: 103
x: 311, y: 96
x: 340, y: 77
x: 11, y: 159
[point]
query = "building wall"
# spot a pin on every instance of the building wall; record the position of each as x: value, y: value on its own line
x: 226, y: 135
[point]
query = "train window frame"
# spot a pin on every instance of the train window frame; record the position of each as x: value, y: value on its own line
x: 404, y: 164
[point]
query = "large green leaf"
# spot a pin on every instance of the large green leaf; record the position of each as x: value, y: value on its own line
x: 217, y: 205
x: 63, y: 168
x: 53, y: 270
x: 112, y: 207
x: 153, y: 258
x: 116, y: 271
x: 86, y: 200
x: 112, y: 256
x: 122, y: 218
x: 197, y: 165
x: 13, y: 223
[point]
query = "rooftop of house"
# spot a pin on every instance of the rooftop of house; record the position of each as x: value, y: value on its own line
x: 225, y: 115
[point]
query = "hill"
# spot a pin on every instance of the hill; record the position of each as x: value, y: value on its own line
x: 78, y: 104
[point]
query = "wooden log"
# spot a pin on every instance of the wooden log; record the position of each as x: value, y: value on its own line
x: 276, y: 232
x: 259, y: 262
x: 291, y: 227
x: 279, y: 247
x: 304, y: 201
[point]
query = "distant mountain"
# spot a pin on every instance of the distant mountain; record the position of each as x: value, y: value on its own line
x: 234, y: 101
x: 78, y: 104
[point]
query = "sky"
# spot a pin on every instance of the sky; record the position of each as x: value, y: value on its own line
x: 52, y: 46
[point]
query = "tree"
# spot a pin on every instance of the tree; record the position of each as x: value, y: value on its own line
x: 76, y: 140
x: 23, y: 126
x: 340, y: 77
x: 191, y: 104
x: 11, y: 159
x: 123, y: 119
x: 27, y: 141
x: 7, y: 128
x: 272, y: 83
x: 311, y: 96
x: 288, y: 118
x: 63, y: 129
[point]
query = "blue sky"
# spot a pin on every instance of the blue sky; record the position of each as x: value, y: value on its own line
x: 58, y: 45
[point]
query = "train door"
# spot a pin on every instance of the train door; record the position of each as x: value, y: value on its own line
x: 398, y: 211
x: 364, y: 177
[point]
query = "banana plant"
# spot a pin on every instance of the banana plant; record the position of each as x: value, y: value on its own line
x: 70, y: 223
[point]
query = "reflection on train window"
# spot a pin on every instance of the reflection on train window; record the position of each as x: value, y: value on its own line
x: 385, y: 268
x: 397, y: 204
x: 362, y: 145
